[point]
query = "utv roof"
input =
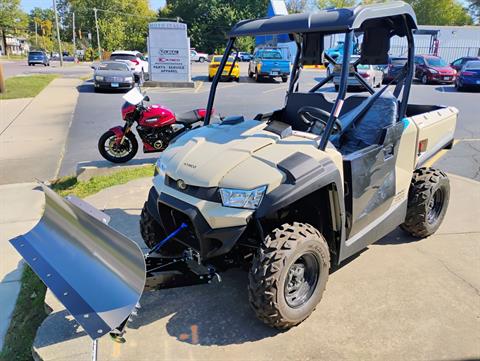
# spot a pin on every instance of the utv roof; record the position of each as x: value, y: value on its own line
x: 328, y: 21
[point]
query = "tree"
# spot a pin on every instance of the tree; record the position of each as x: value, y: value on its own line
x: 440, y: 12
x: 475, y: 8
x: 209, y: 21
x: 296, y: 6
x: 322, y: 4
x: 12, y: 18
x: 122, y: 23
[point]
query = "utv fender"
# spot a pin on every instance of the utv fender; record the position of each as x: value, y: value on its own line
x: 305, y: 175
x: 152, y: 204
x: 119, y: 133
x: 70, y: 249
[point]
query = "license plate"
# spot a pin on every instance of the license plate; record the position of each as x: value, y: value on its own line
x: 225, y: 73
x: 274, y: 73
x: 447, y: 77
x: 114, y: 85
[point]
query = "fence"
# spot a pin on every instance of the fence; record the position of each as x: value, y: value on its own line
x: 449, y: 53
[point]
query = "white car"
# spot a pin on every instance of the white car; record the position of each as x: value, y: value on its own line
x: 198, y: 57
x: 372, y: 74
x: 135, y: 57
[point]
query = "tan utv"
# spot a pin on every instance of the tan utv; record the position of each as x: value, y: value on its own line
x: 288, y: 195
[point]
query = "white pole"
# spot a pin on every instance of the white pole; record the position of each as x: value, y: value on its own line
x: 74, y: 37
x: 98, y: 35
x: 58, y: 33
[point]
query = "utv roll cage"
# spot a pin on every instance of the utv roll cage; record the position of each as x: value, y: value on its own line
x: 377, y: 23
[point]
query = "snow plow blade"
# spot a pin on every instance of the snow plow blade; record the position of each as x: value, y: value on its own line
x: 97, y: 273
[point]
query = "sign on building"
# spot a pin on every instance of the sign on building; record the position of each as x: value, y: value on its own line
x: 169, y: 52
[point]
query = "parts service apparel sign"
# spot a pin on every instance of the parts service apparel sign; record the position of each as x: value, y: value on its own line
x: 168, y: 52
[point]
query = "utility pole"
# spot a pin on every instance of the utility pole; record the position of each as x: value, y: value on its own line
x: 98, y: 35
x: 74, y: 40
x: 36, y: 34
x: 58, y: 33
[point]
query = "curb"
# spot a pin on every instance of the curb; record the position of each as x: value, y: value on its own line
x: 85, y: 172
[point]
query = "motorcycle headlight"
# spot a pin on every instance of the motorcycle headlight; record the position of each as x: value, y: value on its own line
x: 99, y: 77
x: 129, y: 79
x: 240, y: 198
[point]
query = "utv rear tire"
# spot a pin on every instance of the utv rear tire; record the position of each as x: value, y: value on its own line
x: 274, y: 277
x: 427, y: 202
x: 152, y: 233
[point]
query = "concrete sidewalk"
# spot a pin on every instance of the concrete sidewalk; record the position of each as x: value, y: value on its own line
x: 20, y: 208
x: 32, y: 140
x: 402, y: 299
x: 33, y: 132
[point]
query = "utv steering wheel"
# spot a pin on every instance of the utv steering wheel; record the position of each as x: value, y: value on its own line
x: 311, y: 115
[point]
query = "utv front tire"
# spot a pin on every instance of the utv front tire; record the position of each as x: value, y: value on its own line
x: 152, y: 233
x: 427, y: 202
x: 288, y: 275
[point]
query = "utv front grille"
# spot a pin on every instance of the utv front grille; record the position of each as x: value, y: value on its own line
x: 172, y: 219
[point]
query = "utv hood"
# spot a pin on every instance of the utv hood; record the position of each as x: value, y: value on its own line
x: 202, y: 157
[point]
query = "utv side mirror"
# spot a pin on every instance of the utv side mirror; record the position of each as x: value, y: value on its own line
x: 146, y: 98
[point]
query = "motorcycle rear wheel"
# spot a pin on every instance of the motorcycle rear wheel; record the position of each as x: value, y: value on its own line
x: 117, y: 153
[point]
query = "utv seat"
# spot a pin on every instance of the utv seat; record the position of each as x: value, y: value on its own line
x: 189, y: 117
x: 296, y: 101
x: 361, y: 131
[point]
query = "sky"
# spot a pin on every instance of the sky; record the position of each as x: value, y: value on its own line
x: 28, y: 5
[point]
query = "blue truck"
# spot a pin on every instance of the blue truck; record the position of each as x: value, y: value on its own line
x: 268, y: 64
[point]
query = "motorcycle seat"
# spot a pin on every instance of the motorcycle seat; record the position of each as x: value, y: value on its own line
x: 189, y: 117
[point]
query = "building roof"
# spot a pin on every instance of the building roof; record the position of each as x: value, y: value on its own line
x: 327, y: 21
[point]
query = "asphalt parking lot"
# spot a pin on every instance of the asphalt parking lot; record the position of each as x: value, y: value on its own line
x: 97, y: 112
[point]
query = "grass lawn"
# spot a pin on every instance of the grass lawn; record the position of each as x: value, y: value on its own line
x: 30, y: 308
x: 13, y: 57
x: 26, y: 86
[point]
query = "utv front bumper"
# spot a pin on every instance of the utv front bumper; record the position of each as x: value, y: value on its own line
x: 209, y: 242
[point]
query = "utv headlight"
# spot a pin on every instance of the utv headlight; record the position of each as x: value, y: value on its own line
x: 99, y: 77
x: 240, y: 198
x: 160, y: 168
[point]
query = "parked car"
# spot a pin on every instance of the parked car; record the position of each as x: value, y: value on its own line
x: 113, y: 75
x: 394, y: 66
x: 198, y: 57
x: 433, y: 69
x: 141, y: 65
x: 243, y: 56
x: 38, y: 57
x: 460, y: 62
x: 215, y: 63
x: 372, y: 74
x: 268, y: 63
x: 469, y: 76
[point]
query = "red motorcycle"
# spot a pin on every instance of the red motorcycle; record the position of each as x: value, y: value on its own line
x: 156, y: 126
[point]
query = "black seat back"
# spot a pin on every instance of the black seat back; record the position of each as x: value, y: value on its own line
x: 368, y: 129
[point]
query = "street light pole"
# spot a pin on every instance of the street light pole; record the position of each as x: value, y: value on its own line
x: 36, y: 34
x: 58, y: 33
x: 98, y: 35
x: 74, y: 38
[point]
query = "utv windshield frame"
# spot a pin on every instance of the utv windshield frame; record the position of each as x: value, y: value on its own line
x: 395, y: 18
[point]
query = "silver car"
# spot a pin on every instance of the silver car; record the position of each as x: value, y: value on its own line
x: 113, y: 75
x: 372, y: 74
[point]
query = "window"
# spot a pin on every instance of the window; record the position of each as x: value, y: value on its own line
x: 436, y: 62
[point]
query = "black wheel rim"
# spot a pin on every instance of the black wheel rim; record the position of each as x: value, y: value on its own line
x: 301, y: 280
x: 118, y: 150
x: 435, y: 206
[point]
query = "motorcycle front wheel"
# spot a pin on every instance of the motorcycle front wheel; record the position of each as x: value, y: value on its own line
x: 117, y: 153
